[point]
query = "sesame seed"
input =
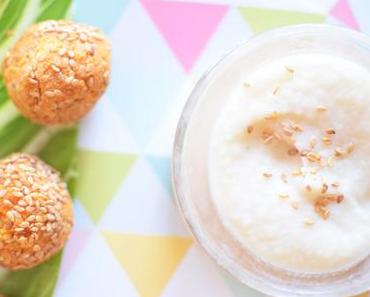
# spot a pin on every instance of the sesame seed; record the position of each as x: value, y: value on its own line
x: 283, y: 196
x: 330, y: 131
x: 10, y: 216
x: 83, y: 37
x: 350, y: 148
x: 69, y: 79
x: 31, y: 218
x: 268, y: 139
x: 18, y: 208
x: 308, y: 222
x: 49, y: 93
x: 297, y: 128
x: 324, y: 188
x: 246, y: 84
x: 294, y: 205
x: 71, y: 62
x: 22, y: 203
x: 293, y: 151
x: 313, y: 157
x: 2, y: 193
x: 289, y: 69
x: 250, y: 129
x: 339, y: 152
x: 321, y: 108
x: 62, y: 51
x: 297, y: 172
x: 335, y: 184
x: 71, y: 54
x: 55, y: 68
x: 24, y: 225
x: 7, y: 202
x: 32, y: 81
x: 75, y: 82
x: 326, y: 140
x: 277, y: 136
x: 267, y: 174
x: 304, y: 153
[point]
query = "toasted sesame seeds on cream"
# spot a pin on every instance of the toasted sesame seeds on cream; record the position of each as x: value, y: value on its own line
x: 310, y: 213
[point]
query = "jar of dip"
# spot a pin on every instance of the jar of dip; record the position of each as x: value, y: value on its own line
x: 270, y: 162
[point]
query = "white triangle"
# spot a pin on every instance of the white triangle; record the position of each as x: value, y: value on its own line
x: 231, y: 32
x: 96, y: 273
x: 197, y: 276
x: 163, y: 137
x: 143, y: 206
x: 146, y: 75
x: 103, y: 130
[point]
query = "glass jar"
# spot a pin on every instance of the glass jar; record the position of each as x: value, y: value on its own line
x: 190, y: 161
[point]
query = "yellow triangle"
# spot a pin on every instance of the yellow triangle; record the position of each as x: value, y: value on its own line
x: 149, y: 261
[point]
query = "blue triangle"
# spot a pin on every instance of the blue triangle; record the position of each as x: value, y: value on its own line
x: 238, y: 289
x: 162, y: 167
x: 103, y: 14
x: 360, y: 11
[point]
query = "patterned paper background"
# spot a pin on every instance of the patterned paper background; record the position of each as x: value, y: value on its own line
x: 129, y: 239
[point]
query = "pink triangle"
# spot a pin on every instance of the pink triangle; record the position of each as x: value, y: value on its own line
x: 343, y: 12
x: 185, y: 26
x: 76, y: 243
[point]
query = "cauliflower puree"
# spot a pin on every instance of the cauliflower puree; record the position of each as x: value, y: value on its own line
x: 289, y: 163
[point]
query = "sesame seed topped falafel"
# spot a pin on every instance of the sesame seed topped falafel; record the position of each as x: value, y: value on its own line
x: 57, y: 71
x: 35, y: 211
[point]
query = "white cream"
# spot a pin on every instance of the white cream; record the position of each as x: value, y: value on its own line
x: 255, y: 208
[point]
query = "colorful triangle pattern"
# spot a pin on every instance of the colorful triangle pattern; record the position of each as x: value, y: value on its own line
x: 100, y: 176
x: 185, y: 26
x: 343, y: 12
x: 261, y: 19
x: 149, y: 261
x: 129, y: 239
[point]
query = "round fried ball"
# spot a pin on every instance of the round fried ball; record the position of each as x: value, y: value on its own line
x: 36, y: 214
x: 57, y: 71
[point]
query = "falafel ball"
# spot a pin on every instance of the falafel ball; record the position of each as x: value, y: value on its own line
x: 57, y: 71
x: 36, y: 213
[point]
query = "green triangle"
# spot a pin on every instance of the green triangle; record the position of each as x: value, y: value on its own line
x: 264, y: 19
x: 100, y: 175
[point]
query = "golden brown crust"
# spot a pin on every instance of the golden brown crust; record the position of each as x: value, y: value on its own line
x: 57, y: 71
x: 36, y: 213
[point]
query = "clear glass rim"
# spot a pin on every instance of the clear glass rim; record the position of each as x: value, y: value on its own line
x: 180, y: 135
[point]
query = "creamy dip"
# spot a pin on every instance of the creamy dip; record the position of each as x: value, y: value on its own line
x: 289, y: 163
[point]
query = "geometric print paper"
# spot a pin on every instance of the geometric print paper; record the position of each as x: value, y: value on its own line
x: 129, y: 238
